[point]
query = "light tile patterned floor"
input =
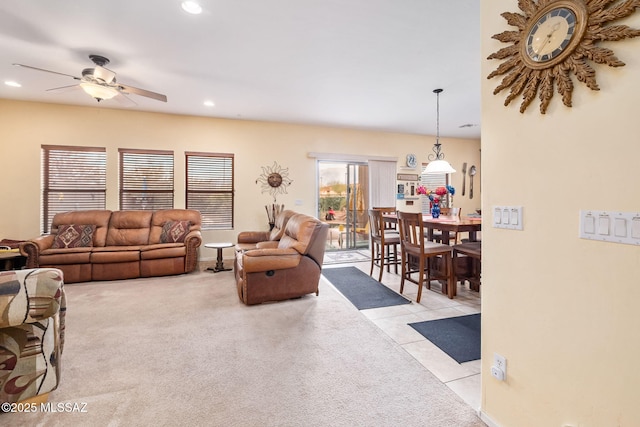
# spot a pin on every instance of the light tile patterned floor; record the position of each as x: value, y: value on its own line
x: 463, y: 379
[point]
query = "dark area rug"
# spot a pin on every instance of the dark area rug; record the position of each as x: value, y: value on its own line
x: 363, y: 291
x: 459, y: 337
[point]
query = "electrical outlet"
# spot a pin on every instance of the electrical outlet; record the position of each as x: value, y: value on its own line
x: 497, y: 373
x: 500, y: 362
x: 499, y: 368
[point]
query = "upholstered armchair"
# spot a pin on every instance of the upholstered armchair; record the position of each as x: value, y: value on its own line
x: 292, y: 269
x: 32, y: 312
x: 250, y: 239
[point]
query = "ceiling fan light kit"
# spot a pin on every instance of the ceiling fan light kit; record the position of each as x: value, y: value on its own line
x: 437, y: 164
x: 191, y: 7
x: 99, y: 92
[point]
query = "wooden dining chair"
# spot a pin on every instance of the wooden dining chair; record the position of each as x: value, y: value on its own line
x: 384, y: 244
x: 388, y: 225
x: 417, y: 254
x: 467, y: 259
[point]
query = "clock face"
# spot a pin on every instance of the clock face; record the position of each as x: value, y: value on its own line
x: 411, y: 160
x: 550, y: 35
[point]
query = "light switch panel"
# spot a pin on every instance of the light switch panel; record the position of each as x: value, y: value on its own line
x: 509, y: 217
x: 610, y: 226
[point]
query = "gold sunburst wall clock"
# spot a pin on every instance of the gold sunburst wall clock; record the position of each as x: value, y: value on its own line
x: 555, y: 39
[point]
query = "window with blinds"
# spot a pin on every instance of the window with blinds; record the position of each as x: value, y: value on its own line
x: 73, y: 178
x: 146, y: 179
x: 432, y: 181
x: 210, y: 188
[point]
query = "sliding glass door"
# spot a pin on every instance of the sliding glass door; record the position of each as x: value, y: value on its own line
x: 342, y: 202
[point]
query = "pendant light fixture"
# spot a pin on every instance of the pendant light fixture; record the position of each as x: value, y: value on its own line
x: 437, y: 164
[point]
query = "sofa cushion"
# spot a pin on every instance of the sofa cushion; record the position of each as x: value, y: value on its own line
x: 129, y: 228
x: 106, y: 256
x: 161, y: 217
x: 74, y: 236
x: 174, y: 231
x: 166, y: 250
x: 99, y: 218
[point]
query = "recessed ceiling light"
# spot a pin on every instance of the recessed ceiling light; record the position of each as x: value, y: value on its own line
x: 191, y: 7
x: 209, y: 104
x: 12, y: 84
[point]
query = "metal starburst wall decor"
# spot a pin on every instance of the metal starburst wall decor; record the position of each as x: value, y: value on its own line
x: 274, y: 180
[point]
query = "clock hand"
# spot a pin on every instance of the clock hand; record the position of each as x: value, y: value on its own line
x: 547, y: 38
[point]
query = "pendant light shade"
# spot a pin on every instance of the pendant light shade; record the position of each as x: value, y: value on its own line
x: 437, y: 164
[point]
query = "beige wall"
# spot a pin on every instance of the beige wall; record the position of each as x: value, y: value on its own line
x: 25, y: 126
x: 562, y: 310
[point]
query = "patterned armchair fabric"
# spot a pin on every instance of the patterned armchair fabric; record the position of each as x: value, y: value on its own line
x: 32, y: 312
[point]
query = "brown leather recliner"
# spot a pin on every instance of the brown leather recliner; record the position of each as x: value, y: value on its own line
x: 290, y: 270
x: 249, y: 239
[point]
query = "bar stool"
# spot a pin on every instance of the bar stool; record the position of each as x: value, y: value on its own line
x: 384, y: 244
x: 468, y: 267
x: 416, y: 249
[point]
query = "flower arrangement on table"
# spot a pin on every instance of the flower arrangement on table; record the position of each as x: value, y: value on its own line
x: 436, y: 196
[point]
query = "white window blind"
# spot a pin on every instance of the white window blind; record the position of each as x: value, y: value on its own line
x: 210, y: 188
x: 382, y: 183
x: 73, y: 178
x: 431, y: 182
x: 146, y: 179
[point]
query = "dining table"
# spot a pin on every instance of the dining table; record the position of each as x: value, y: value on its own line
x: 452, y: 224
x: 447, y: 225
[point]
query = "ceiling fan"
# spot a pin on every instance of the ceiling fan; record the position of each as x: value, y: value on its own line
x: 100, y: 82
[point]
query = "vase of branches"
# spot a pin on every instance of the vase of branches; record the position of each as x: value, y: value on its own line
x: 273, y: 211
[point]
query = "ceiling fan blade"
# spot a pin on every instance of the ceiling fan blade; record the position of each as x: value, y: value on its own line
x: 46, y: 71
x: 104, y: 74
x: 63, y: 88
x: 143, y: 92
x: 124, y: 100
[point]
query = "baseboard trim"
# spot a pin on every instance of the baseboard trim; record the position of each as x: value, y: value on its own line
x: 487, y: 420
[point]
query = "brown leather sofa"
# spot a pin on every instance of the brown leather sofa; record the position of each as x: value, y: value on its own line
x: 288, y: 268
x: 106, y: 245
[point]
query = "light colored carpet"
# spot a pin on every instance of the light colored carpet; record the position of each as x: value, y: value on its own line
x: 184, y: 350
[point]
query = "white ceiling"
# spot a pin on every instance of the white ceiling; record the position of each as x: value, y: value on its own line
x: 369, y: 64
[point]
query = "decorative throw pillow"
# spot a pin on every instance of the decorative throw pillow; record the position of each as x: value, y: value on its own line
x: 74, y: 236
x: 174, y: 231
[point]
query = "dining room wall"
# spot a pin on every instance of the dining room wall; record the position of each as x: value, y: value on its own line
x: 25, y: 126
x: 560, y: 309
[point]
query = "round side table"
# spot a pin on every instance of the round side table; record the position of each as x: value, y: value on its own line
x: 219, y: 263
